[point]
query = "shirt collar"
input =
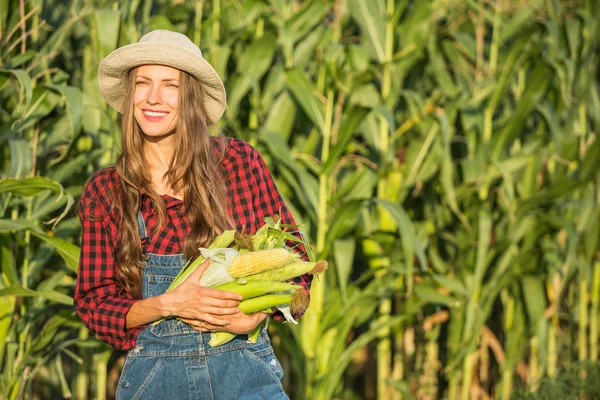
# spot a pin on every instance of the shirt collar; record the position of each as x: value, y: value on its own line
x: 169, y: 201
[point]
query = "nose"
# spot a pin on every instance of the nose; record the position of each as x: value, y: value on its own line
x: 154, y: 95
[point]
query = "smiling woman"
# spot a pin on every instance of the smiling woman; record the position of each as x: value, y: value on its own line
x: 173, y: 189
x: 156, y: 99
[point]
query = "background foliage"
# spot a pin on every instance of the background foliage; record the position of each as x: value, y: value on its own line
x: 442, y: 155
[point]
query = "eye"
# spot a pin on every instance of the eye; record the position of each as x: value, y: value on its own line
x: 140, y: 82
x: 173, y: 85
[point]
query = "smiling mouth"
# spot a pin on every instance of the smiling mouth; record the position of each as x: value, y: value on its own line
x: 155, y: 113
x: 154, y: 116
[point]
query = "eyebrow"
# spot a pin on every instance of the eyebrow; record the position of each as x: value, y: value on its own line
x: 164, y: 80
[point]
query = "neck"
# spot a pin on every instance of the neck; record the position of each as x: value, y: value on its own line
x: 158, y: 152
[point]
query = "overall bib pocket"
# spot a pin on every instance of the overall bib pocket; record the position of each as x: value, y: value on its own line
x: 263, y: 353
x: 137, y: 376
x: 158, y: 284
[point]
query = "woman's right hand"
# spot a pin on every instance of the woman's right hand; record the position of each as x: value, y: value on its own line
x: 192, y: 301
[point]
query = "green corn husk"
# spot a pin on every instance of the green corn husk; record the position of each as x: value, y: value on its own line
x: 271, y: 235
x: 255, y: 288
x: 264, y: 302
x: 223, y: 240
x: 261, y: 303
x: 220, y: 338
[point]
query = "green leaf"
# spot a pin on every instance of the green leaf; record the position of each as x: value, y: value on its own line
x: 303, y: 183
x: 537, y: 85
x: 20, y: 158
x: 358, y: 184
x: 107, y: 25
x: 66, y: 170
x: 330, y: 382
x: 53, y: 295
x: 432, y: 295
x: 348, y: 126
x: 43, y: 102
x: 304, y: 51
x: 305, y: 93
x: 68, y: 251
x: 218, y: 56
x: 7, y: 261
x: 7, y: 305
x: 410, y: 242
x: 343, y: 254
x: 242, y: 14
x: 252, y: 65
x: 303, y: 21
x: 28, y: 187
x: 370, y: 16
x: 74, y: 107
x: 517, y: 24
x: 452, y: 284
x: 282, y: 116
x: 344, y: 221
x: 25, y: 86
x: 483, y: 245
x: 57, y: 297
x: 534, y: 294
x: 9, y: 225
x: 439, y: 69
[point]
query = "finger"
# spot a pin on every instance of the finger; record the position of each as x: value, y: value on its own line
x: 197, y: 274
x: 202, y: 300
x: 221, y: 310
x: 217, y: 322
x: 221, y: 294
x: 206, y: 327
x: 190, y: 321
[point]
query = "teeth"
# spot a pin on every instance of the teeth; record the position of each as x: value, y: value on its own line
x: 155, y: 114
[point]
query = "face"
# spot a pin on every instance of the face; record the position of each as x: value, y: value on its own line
x: 156, y: 99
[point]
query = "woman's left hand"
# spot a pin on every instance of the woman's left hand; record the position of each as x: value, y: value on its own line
x: 239, y: 323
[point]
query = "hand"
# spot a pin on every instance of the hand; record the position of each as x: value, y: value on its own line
x: 192, y: 302
x: 238, y: 323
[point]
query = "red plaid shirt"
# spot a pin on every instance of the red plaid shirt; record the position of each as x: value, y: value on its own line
x: 100, y: 301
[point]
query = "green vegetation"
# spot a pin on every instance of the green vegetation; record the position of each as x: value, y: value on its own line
x: 441, y: 155
x: 579, y: 381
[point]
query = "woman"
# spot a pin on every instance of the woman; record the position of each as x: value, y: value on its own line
x: 173, y: 189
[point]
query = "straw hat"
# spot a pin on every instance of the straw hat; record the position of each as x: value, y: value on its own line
x: 161, y: 47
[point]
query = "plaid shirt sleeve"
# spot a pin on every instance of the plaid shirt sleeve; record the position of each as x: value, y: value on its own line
x: 268, y: 202
x: 100, y: 302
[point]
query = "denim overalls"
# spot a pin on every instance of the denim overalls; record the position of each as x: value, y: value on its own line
x: 173, y: 361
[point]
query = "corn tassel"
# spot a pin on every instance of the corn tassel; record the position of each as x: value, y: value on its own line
x: 258, y: 261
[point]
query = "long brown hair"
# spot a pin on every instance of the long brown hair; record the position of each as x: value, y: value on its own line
x: 195, y: 169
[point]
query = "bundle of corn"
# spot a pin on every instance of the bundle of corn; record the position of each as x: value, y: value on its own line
x: 257, y: 267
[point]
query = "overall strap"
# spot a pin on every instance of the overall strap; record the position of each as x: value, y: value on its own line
x: 142, y: 226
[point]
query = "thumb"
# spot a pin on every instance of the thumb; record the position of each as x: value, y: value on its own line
x: 197, y: 274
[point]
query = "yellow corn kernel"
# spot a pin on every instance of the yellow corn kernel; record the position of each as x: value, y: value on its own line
x: 258, y: 261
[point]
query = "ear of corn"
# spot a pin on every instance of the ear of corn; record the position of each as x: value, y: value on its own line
x: 261, y: 303
x: 255, y: 288
x: 258, y: 261
x: 264, y: 302
x: 221, y: 241
x: 290, y: 270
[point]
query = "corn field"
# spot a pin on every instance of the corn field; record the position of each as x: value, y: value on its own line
x: 442, y: 156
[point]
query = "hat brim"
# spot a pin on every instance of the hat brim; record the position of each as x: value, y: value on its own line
x: 112, y: 73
